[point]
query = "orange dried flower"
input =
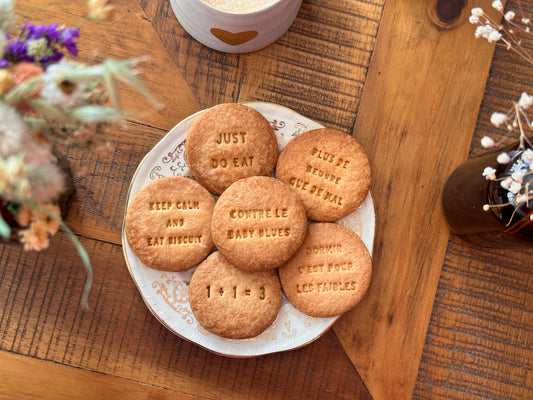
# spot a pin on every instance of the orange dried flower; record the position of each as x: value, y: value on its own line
x: 6, y: 81
x: 24, y: 71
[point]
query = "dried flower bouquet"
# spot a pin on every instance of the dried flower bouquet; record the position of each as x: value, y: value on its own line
x: 46, y: 99
x: 518, y: 166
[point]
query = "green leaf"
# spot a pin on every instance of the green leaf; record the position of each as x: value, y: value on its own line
x: 122, y: 71
x: 23, y: 91
x: 85, y: 73
x: 112, y: 89
x: 91, y: 113
x: 5, y: 229
x: 47, y: 109
x: 86, y: 262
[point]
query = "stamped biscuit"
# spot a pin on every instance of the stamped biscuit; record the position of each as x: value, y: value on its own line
x: 258, y: 223
x: 330, y: 171
x: 228, y: 142
x: 329, y: 274
x: 168, y: 224
x: 231, y: 302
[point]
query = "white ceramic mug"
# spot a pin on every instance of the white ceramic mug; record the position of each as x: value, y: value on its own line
x: 236, y: 30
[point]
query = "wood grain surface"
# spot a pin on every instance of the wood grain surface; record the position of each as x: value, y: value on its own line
x: 442, y: 320
x: 117, y: 345
x: 479, y: 343
x: 422, y: 104
x: 118, y: 337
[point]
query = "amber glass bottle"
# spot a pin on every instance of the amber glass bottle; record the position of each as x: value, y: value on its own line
x: 508, y: 222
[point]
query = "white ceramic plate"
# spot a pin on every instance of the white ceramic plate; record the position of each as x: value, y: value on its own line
x: 166, y: 293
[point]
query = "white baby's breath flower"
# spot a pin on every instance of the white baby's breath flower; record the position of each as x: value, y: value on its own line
x: 487, y: 142
x: 13, y: 131
x: 478, y: 11
x: 518, y: 176
x: 509, y: 15
x: 525, y: 101
x: 498, y: 118
x: 54, y: 80
x: 482, y: 31
x: 503, y: 158
x: 506, y: 183
x: 488, y: 32
x: 474, y: 19
x: 515, y: 187
x: 497, y: 4
x: 48, y: 182
x: 494, y: 36
x: 489, y: 173
x: 527, y: 155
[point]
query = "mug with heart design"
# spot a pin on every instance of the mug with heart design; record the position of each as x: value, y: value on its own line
x: 236, y: 26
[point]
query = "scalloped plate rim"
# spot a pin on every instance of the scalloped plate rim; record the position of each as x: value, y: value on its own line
x: 264, y: 349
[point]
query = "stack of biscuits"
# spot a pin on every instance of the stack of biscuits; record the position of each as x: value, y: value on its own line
x: 271, y: 228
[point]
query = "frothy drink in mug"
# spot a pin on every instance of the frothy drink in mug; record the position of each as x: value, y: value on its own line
x: 240, y: 6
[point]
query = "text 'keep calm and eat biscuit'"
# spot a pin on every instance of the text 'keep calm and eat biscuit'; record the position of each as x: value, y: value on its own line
x: 258, y: 223
x: 168, y: 224
x: 229, y: 142
x: 329, y: 274
x: 330, y: 171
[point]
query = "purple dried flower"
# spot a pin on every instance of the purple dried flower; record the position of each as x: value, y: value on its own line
x: 67, y: 39
x: 47, y: 39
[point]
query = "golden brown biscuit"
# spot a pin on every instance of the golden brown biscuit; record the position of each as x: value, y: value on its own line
x: 231, y: 302
x: 329, y: 274
x: 258, y: 223
x: 330, y: 171
x: 168, y: 223
x: 228, y: 142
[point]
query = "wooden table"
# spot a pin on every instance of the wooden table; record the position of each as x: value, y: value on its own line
x: 442, y: 319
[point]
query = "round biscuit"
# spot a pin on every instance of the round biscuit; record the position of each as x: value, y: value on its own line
x: 233, y: 303
x: 329, y: 274
x: 228, y: 142
x: 330, y: 171
x: 258, y: 223
x: 168, y: 223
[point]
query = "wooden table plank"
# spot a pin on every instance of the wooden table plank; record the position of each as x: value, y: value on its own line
x: 314, y: 68
x: 479, y: 341
x: 421, y: 103
x: 33, y: 378
x: 323, y: 74
x: 41, y: 318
